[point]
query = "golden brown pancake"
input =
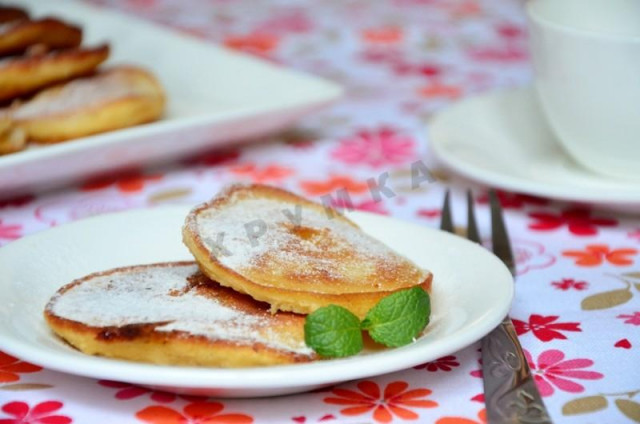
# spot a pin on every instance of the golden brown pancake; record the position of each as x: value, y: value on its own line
x: 20, y: 76
x: 294, y: 265
x: 17, y: 35
x: 112, y: 99
x: 170, y: 313
x: 11, y: 14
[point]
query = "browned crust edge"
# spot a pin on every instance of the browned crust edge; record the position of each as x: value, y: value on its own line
x: 25, y: 75
x: 141, y: 343
x: 302, y: 302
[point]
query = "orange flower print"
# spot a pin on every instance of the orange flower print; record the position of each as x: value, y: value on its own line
x: 10, y: 367
x: 262, y: 174
x: 257, y: 43
x: 193, y: 413
x: 384, y: 35
x: 128, y: 183
x: 335, y: 183
x: 396, y: 401
x: 438, y: 90
x: 596, y: 254
x: 482, y: 419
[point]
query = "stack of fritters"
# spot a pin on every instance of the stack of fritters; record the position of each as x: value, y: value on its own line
x: 44, y: 58
x: 265, y: 257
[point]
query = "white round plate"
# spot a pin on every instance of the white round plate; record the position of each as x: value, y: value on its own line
x: 501, y: 139
x: 472, y: 292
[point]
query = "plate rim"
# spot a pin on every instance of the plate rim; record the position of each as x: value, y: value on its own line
x: 262, y: 378
x: 438, y: 142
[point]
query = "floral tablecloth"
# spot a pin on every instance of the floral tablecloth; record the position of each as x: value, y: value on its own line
x: 577, y: 306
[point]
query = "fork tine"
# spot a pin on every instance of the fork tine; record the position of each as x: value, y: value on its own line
x: 501, y: 244
x: 472, y: 227
x: 446, y: 222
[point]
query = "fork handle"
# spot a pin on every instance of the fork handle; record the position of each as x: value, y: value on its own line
x: 511, y: 395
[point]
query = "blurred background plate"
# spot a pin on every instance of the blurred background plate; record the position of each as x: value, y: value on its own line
x: 501, y: 139
x: 215, y: 97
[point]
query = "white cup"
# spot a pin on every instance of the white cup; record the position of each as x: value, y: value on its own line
x: 586, y: 55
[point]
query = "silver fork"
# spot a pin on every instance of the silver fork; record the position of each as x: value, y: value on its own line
x: 510, y: 392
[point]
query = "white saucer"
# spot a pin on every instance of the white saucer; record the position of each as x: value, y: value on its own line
x: 502, y: 140
x: 467, y: 302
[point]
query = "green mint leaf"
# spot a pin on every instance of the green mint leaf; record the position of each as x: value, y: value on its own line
x: 333, y: 331
x: 398, y: 318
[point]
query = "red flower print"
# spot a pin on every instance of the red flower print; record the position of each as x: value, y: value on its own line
x: 193, y: 413
x: 16, y: 202
x: 545, y: 328
x: 596, y: 254
x: 514, y: 200
x: 578, y: 221
x: 129, y: 391
x: 333, y: 184
x: 262, y: 174
x: 257, y: 43
x: 395, y: 401
x: 127, y: 183
x: 553, y: 371
x: 446, y: 363
x: 428, y: 70
x: 384, y: 35
x: 633, y: 319
x: 570, y: 283
x: 376, y: 148
x: 482, y: 419
x: 39, y: 414
x: 10, y: 367
x: 10, y: 231
x: 429, y: 213
x: 217, y: 157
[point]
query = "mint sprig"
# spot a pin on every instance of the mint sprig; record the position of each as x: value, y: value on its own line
x: 333, y: 331
x: 398, y: 318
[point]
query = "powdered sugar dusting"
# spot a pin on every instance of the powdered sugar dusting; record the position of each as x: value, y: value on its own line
x: 156, y: 294
x: 260, y: 232
x: 78, y: 94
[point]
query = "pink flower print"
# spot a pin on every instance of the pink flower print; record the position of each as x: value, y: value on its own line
x: 634, y: 234
x: 569, y: 283
x: 633, y: 319
x: 367, y: 206
x: 376, y: 148
x: 509, y: 31
x: 294, y: 21
x: 21, y: 413
x: 530, y: 255
x: 10, y: 231
x: 552, y: 372
x: 506, y: 54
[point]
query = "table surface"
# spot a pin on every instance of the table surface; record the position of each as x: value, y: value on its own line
x: 577, y: 304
